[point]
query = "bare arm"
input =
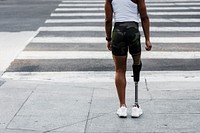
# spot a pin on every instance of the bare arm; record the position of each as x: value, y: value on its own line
x: 145, y: 22
x: 108, y: 18
x: 108, y: 22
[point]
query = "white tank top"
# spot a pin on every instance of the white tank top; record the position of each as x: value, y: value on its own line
x: 125, y: 10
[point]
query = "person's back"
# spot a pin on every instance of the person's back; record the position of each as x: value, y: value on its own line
x: 126, y: 37
x: 125, y: 11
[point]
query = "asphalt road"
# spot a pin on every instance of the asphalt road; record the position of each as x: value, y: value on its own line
x: 24, y: 15
x: 30, y: 15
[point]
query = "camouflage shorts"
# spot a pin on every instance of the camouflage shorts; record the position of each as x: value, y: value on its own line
x: 126, y: 36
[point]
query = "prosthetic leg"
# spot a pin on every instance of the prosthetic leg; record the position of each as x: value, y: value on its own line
x: 136, y: 109
x: 136, y: 77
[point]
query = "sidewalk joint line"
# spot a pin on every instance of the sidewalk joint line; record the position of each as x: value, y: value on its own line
x: 147, y: 88
x: 64, y: 126
x: 89, y: 111
x: 85, y: 120
x: 21, y: 107
x: 2, y: 82
x: 21, y: 129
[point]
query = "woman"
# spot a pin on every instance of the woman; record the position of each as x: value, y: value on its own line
x: 126, y: 37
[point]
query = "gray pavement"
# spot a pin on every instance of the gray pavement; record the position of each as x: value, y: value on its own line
x: 12, y: 43
x: 56, y: 36
x: 82, y: 97
x: 38, y: 106
x: 19, y: 21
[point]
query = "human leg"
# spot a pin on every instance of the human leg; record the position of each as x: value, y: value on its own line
x: 137, y: 65
x: 120, y: 77
x: 135, y: 51
x: 119, y: 51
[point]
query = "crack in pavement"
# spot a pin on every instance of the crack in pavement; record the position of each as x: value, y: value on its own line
x: 89, y: 111
x: 2, y: 82
x: 147, y: 88
x: 21, y: 107
x: 85, y: 120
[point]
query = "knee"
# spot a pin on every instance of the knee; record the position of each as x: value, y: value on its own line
x: 120, y: 71
x: 136, y: 58
x: 120, y: 68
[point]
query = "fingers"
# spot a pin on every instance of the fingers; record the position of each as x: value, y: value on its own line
x: 109, y: 46
x: 148, y: 46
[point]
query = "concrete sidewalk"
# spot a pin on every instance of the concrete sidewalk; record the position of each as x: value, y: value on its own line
x: 40, y: 106
x: 11, y: 44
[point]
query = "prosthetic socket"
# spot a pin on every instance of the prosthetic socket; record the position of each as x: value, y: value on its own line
x: 136, y: 72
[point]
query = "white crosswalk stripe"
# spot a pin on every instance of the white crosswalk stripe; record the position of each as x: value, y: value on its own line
x: 105, y: 76
x: 104, y: 55
x: 102, y: 14
x: 102, y: 40
x: 149, y: 9
x: 174, y: 23
x: 101, y: 28
x: 148, y: 4
x: 97, y: 1
x: 181, y: 20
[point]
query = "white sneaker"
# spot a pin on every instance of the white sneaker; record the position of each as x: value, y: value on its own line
x: 122, y: 112
x: 136, y: 111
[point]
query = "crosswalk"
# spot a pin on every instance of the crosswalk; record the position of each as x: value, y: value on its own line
x: 71, y: 44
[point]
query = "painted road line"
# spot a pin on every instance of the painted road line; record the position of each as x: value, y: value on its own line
x: 76, y: 14
x: 148, y: 1
x: 174, y: 13
x: 148, y: 4
x: 73, y: 28
x: 73, y: 20
x: 105, y: 76
x: 103, y: 14
x: 80, y: 9
x: 101, y: 28
x: 80, y: 5
x: 180, y: 20
x: 102, y: 40
x: 84, y: 1
x: 149, y: 8
x: 173, y: 4
x: 104, y: 55
x: 175, y: 1
x: 160, y: 3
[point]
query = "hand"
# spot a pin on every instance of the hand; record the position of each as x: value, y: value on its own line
x: 109, y: 45
x: 148, y: 46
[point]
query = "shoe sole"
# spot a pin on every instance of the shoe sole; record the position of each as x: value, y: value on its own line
x: 136, y: 116
x: 122, y: 116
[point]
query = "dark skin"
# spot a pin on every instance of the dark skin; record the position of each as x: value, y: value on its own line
x: 108, y: 21
x: 120, y: 61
